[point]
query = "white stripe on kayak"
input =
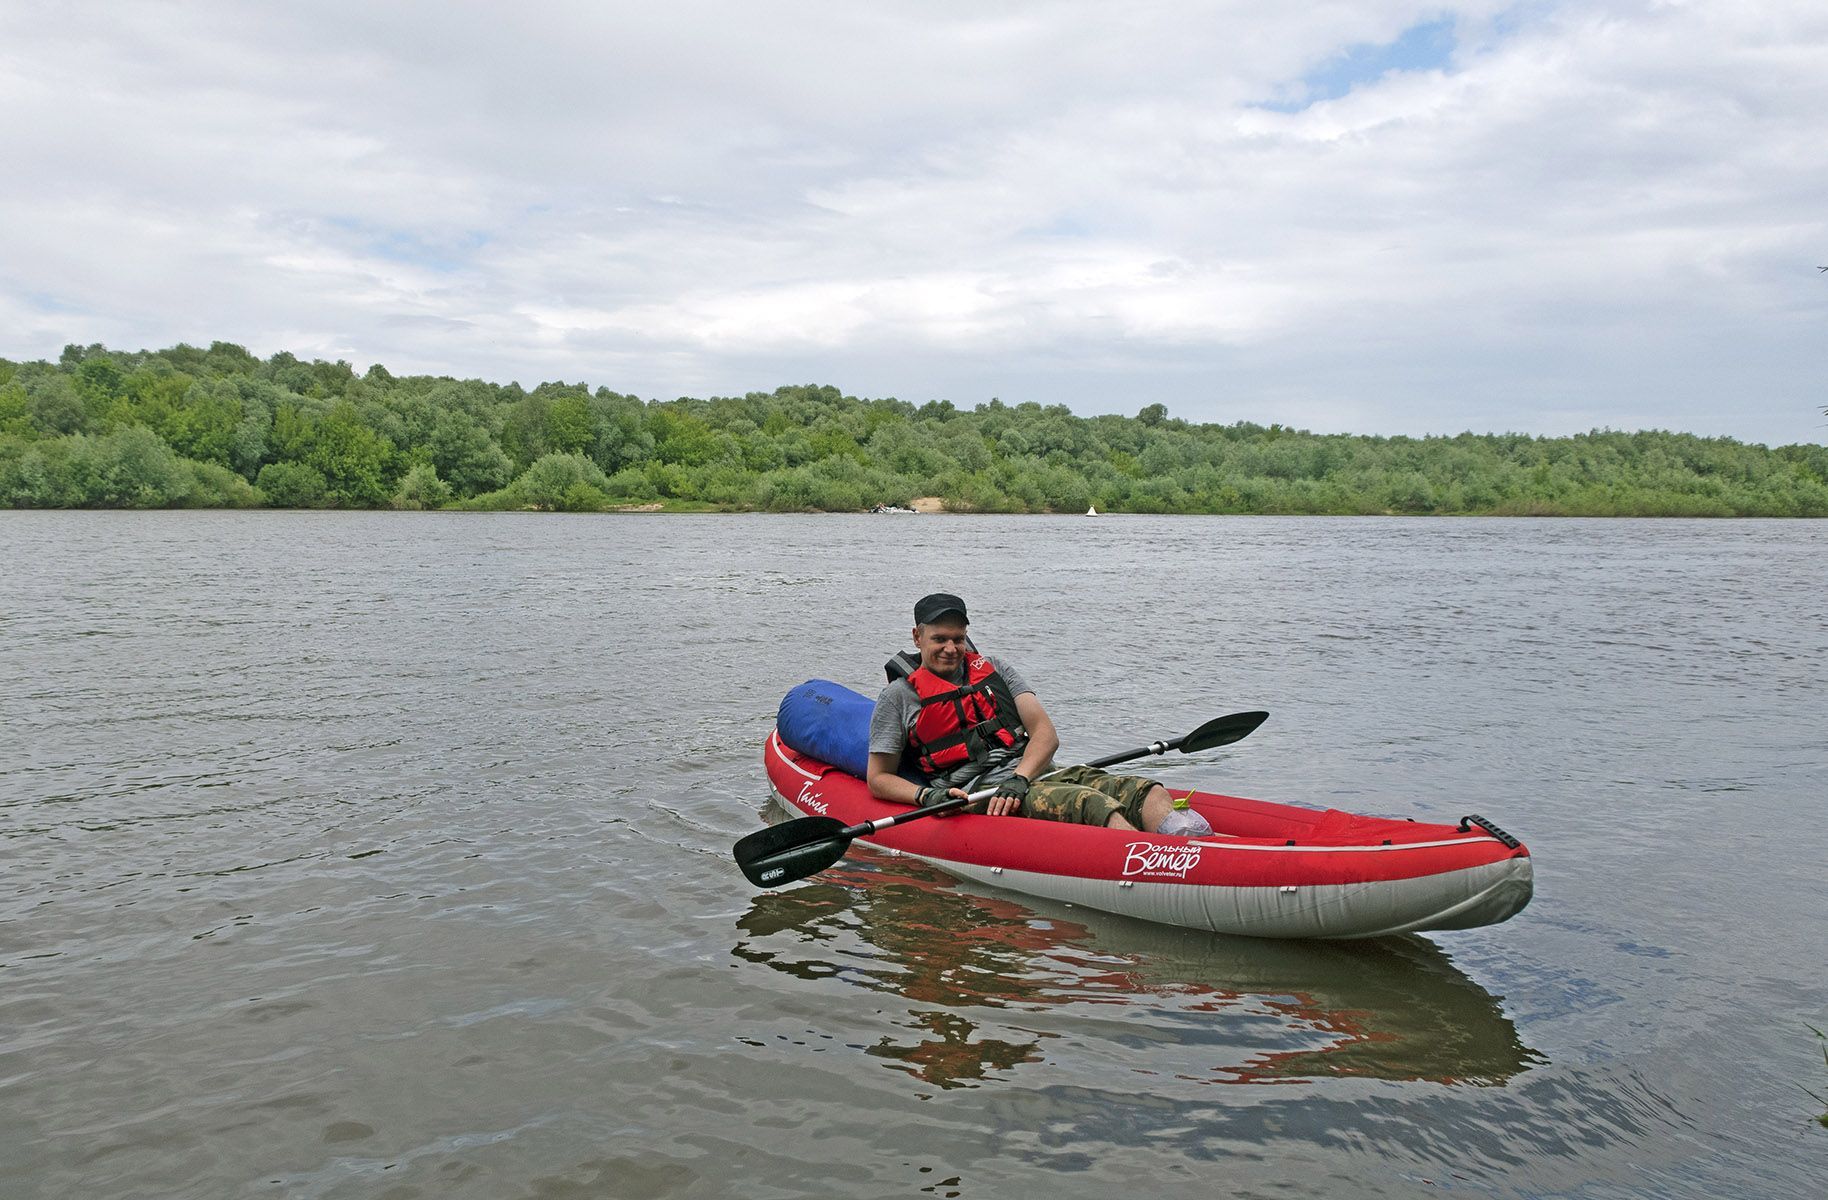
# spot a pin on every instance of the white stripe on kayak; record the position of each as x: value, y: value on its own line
x: 774, y: 741
x: 1332, y: 849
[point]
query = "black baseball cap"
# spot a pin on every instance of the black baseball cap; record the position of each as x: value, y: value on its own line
x: 929, y: 609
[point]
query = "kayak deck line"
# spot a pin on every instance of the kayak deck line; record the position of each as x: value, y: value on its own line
x: 1342, y: 847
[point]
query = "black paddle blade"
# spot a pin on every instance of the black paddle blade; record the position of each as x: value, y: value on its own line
x: 791, y: 850
x: 1220, y: 731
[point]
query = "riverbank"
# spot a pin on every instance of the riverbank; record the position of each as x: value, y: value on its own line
x: 189, y: 428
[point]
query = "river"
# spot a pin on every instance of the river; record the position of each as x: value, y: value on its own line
x: 388, y: 855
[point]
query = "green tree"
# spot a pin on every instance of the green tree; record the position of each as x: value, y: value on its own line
x: 619, y: 436
x: 292, y: 485
x: 679, y: 437
x: 353, y: 459
x: 569, y: 428
x: 204, y: 426
x: 421, y: 488
x: 562, y: 483
x: 466, y: 456
x: 134, y: 468
x: 56, y: 408
x: 215, y: 486
x: 98, y: 380
x: 554, y: 418
x: 15, y: 410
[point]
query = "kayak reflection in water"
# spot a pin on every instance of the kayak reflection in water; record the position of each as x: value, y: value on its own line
x: 1218, y: 1009
x: 953, y: 721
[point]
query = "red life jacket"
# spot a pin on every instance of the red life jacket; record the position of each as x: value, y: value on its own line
x: 961, y: 722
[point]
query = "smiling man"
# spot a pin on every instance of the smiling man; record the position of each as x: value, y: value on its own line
x: 959, y: 721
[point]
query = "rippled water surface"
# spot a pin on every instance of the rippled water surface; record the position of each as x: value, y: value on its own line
x: 389, y: 855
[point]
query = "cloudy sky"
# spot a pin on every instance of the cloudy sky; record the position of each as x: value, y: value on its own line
x: 1377, y: 216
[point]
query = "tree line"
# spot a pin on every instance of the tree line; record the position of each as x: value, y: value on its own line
x: 220, y: 427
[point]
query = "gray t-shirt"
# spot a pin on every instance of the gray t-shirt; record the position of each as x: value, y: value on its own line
x: 899, y: 705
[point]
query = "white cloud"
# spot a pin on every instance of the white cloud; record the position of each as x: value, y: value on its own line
x: 1597, y: 214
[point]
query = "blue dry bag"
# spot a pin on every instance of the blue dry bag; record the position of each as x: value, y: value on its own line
x: 830, y: 722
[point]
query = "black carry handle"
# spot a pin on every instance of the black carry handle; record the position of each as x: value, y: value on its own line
x: 1467, y: 822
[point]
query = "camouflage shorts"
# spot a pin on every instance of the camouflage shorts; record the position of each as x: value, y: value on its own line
x: 1087, y: 796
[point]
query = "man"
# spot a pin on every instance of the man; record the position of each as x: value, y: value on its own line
x: 963, y: 721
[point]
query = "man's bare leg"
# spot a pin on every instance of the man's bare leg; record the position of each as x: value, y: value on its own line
x: 1155, y: 809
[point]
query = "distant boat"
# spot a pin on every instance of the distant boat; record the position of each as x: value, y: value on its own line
x: 1092, y: 511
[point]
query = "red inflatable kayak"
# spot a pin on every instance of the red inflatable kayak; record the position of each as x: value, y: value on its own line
x: 1268, y: 870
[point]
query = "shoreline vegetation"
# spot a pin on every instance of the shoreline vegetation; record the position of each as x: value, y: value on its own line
x: 220, y: 428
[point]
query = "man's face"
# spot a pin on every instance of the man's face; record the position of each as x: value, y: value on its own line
x: 941, y: 645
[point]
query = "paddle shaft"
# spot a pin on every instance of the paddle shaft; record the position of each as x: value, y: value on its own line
x: 1111, y: 760
x: 865, y: 828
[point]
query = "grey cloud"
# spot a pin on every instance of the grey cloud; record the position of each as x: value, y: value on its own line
x: 1599, y: 215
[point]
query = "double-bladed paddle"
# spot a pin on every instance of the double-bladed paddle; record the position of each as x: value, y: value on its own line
x: 795, y: 849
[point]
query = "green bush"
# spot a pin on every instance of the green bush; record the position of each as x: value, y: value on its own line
x: 129, y: 468
x: 215, y: 486
x: 554, y: 483
x: 39, y: 476
x: 292, y: 485
x: 421, y: 488
x: 632, y: 483
x: 134, y: 468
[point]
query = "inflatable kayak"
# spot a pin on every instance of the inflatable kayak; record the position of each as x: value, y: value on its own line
x: 1267, y: 870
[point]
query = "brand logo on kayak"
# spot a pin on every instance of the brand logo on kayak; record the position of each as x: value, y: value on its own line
x: 1150, y: 858
x: 806, y: 800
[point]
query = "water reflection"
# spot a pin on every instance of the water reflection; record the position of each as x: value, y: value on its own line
x: 994, y: 986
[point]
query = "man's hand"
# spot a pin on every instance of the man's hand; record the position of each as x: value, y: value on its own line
x: 929, y: 796
x: 1010, y: 794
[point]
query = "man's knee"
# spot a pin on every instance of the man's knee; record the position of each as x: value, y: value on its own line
x: 1070, y: 803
